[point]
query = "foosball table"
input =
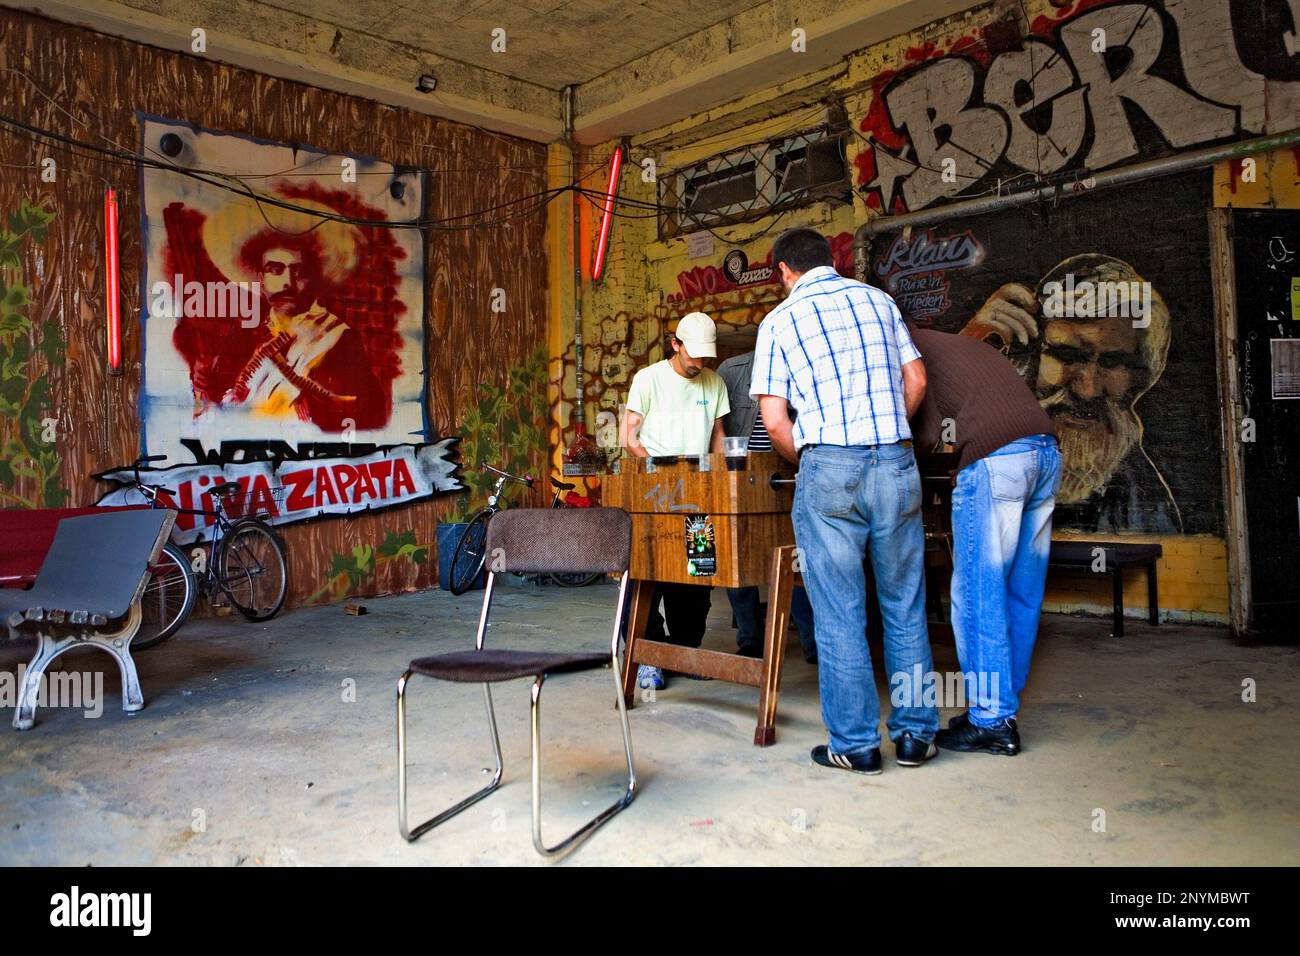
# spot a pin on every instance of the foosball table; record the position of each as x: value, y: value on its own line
x: 696, y: 522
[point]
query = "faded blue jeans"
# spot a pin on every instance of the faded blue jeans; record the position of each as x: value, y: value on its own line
x: 850, y: 502
x: 1002, y: 535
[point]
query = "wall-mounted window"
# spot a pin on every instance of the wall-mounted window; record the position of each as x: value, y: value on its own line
x: 757, y: 180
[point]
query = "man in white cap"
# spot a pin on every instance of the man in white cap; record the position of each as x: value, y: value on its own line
x: 675, y: 407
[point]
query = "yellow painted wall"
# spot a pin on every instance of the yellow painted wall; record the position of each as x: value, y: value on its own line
x: 1192, y: 578
x: 1273, y: 182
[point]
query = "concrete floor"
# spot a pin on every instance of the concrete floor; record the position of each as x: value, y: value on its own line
x: 247, y: 731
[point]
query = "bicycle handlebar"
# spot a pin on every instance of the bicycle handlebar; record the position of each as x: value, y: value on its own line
x: 149, y: 491
x: 526, y: 480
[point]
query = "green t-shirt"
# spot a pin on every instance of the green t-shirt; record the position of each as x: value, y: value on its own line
x: 679, y: 412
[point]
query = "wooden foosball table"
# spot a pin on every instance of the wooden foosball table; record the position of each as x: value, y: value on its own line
x: 696, y: 522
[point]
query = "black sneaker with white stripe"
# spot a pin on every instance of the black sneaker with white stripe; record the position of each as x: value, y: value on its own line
x: 912, y: 752
x: 868, y: 763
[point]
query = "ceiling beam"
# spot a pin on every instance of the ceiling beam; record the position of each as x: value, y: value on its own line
x: 748, y: 52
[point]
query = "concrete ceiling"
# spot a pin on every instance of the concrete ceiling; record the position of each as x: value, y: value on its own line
x: 636, y: 64
x: 552, y: 43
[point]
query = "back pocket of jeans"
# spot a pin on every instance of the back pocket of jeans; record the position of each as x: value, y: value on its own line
x: 833, y: 491
x: 1009, y: 475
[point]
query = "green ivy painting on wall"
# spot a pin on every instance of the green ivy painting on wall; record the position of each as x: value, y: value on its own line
x: 28, y: 446
x: 506, y: 427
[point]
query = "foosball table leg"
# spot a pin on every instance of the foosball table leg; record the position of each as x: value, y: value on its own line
x: 638, y: 616
x: 778, y: 622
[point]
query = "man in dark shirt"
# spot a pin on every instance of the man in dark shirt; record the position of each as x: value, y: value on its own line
x: 745, y: 421
x: 1008, y: 474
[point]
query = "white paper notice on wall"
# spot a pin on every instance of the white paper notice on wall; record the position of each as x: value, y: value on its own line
x: 699, y: 245
x: 1286, y: 367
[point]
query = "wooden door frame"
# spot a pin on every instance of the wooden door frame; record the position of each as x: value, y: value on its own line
x: 1231, y: 414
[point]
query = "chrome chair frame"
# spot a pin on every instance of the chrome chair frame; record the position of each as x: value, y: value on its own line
x: 573, y: 840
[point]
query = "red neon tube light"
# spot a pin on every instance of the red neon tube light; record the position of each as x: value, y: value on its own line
x: 111, y: 282
x: 615, y: 163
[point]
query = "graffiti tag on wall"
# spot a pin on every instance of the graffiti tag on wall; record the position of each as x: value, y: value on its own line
x: 915, y: 269
x: 1087, y: 91
x: 737, y: 273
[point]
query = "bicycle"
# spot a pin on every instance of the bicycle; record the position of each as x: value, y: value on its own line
x: 470, y: 554
x: 245, y: 560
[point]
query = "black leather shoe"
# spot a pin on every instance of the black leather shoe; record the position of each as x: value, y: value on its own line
x: 968, y: 738
x: 868, y: 763
x: 912, y: 752
x: 960, y: 719
x: 750, y: 650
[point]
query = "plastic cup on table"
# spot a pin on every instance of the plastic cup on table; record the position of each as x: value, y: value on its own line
x: 737, y: 452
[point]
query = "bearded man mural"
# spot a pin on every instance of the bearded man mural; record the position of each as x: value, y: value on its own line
x: 1089, y: 358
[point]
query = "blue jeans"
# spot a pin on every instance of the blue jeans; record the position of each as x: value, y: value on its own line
x: 745, y: 605
x: 1002, y: 534
x: 851, y: 502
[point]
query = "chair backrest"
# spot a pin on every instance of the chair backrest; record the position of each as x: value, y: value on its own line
x: 560, y: 541
x: 98, y: 563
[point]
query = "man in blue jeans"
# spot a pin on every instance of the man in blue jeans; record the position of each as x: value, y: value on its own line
x: 1008, y: 472
x: 838, y: 352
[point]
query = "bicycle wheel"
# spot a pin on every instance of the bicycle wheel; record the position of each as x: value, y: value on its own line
x: 575, y: 580
x: 251, y: 569
x: 168, y: 598
x: 470, y: 555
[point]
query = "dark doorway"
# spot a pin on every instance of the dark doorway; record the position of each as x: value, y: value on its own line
x: 1266, y: 250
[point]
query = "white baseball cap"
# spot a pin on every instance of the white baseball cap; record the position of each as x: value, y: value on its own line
x: 698, y: 333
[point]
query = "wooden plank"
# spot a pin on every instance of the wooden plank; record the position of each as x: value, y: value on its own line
x: 1223, y: 280
x: 702, y: 663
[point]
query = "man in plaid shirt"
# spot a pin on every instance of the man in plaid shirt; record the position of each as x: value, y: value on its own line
x: 838, y: 352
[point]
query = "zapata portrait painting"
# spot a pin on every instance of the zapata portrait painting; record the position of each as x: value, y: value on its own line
x: 285, y: 316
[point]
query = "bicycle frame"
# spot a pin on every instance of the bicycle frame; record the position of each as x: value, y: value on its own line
x: 207, y: 578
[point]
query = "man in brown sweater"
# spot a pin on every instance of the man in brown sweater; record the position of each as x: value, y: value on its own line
x: 1008, y: 474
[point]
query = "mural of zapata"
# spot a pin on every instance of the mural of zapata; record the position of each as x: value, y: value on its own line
x: 311, y: 349
x: 298, y: 318
x: 1091, y: 339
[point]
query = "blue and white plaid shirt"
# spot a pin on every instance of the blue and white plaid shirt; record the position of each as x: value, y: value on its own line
x: 835, y: 349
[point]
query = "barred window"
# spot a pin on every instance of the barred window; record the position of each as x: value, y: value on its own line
x: 752, y: 182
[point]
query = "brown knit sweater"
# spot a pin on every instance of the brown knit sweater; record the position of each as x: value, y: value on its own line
x: 973, y: 384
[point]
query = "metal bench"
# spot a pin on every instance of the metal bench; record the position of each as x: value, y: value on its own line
x: 1113, y: 559
x: 87, y: 594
